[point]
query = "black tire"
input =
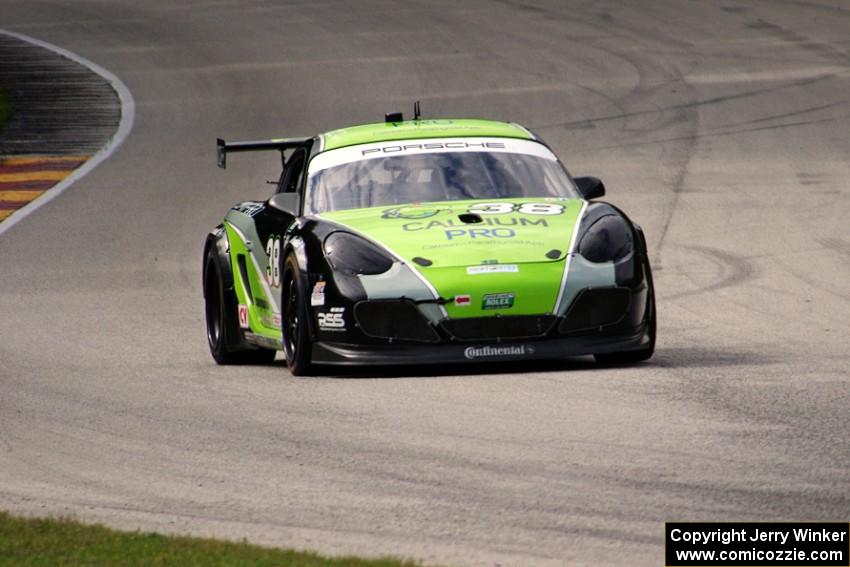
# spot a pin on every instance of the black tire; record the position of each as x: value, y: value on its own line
x: 297, y: 345
x: 635, y: 356
x: 226, y: 345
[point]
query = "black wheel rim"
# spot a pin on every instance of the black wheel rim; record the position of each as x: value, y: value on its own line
x: 292, y: 320
x: 213, y: 312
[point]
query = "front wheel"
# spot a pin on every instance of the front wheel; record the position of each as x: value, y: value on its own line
x: 296, y: 335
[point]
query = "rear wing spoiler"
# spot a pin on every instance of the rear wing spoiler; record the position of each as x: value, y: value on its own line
x: 281, y: 144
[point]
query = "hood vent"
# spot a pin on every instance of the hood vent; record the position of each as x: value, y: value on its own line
x: 470, y: 218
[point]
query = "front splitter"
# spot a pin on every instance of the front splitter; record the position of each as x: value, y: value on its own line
x: 340, y: 354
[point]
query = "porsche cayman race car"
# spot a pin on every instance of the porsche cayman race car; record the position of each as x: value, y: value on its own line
x: 425, y: 241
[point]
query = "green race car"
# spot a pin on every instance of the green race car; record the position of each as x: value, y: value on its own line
x: 425, y: 241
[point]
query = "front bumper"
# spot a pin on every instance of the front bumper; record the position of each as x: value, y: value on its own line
x: 553, y: 348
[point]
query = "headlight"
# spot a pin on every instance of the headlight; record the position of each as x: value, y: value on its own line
x: 609, y: 239
x: 353, y: 255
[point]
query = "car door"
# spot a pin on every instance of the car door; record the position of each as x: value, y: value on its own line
x: 273, y: 223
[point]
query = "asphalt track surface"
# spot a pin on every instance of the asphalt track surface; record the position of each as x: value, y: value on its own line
x: 61, y: 107
x: 722, y: 127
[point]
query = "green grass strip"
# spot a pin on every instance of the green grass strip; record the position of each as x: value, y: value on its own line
x: 5, y: 106
x: 28, y: 542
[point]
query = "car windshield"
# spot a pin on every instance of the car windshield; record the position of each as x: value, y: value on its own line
x: 376, y: 175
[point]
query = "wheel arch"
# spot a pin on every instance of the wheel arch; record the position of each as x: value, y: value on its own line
x: 297, y: 249
x: 217, y: 240
x: 218, y: 243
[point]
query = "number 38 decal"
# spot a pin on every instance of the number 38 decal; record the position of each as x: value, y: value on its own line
x: 525, y: 208
x: 273, y: 252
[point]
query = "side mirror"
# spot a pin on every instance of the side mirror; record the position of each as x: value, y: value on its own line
x: 590, y: 187
x: 288, y: 203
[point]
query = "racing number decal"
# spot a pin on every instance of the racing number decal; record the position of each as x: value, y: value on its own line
x: 273, y: 269
x: 491, y: 208
x: 525, y: 208
x: 541, y: 209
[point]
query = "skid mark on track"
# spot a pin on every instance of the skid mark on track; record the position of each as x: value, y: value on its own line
x: 805, y: 178
x: 800, y: 112
x: 694, y: 104
x: 653, y: 77
x: 836, y: 245
x: 734, y: 270
x: 823, y: 49
x: 813, y: 6
x: 731, y: 132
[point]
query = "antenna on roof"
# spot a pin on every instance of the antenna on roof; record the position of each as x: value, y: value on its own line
x: 416, y: 112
